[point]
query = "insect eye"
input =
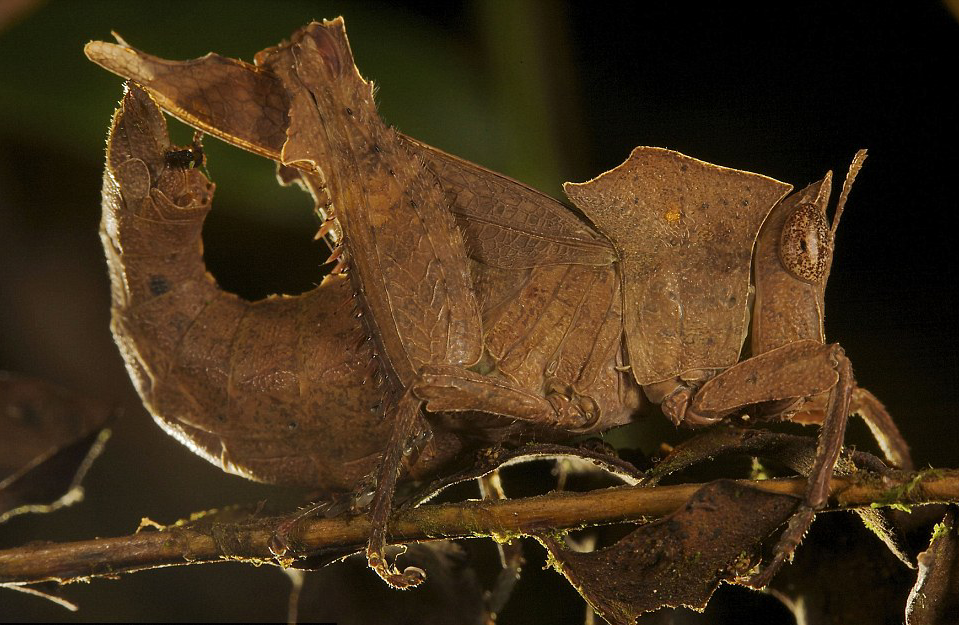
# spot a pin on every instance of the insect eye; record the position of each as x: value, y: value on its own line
x: 805, y: 244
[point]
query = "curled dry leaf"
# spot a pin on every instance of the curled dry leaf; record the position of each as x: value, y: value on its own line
x: 934, y: 599
x: 678, y: 560
x: 48, y: 439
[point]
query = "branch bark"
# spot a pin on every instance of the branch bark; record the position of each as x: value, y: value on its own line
x: 250, y: 540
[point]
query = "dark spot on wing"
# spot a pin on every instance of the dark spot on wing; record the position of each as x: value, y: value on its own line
x: 159, y: 285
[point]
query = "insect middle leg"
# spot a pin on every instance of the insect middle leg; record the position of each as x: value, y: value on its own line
x: 831, y: 437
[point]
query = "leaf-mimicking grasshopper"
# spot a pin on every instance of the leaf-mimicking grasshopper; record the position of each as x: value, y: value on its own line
x: 465, y: 309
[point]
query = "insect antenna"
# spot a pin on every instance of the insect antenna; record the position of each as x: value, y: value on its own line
x: 854, y: 168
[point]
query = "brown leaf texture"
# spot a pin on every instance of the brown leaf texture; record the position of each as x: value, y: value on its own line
x: 252, y: 385
x: 494, y: 315
x: 507, y: 224
x: 211, y: 93
x: 678, y: 560
x: 407, y: 261
x: 416, y: 288
x: 685, y: 231
x: 197, y: 349
x: 797, y: 453
x: 48, y: 439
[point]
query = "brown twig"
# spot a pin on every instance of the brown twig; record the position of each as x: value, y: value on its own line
x: 250, y: 540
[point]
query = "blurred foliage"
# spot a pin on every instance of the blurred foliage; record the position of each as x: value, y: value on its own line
x: 488, y: 108
x: 431, y: 85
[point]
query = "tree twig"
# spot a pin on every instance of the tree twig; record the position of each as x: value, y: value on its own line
x: 250, y: 540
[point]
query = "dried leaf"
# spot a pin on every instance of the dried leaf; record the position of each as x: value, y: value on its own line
x: 934, y: 599
x: 540, y: 349
x: 795, y: 452
x: 48, y: 439
x: 678, y: 560
x: 490, y: 459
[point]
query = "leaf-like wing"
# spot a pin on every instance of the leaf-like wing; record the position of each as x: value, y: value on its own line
x: 508, y: 224
x: 505, y: 223
x: 407, y: 259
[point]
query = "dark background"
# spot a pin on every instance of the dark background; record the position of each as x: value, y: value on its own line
x: 542, y: 91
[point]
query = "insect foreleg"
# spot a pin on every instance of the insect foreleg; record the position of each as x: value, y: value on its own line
x: 831, y: 437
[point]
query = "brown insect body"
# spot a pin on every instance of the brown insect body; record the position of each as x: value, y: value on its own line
x: 491, y: 312
x: 217, y: 371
